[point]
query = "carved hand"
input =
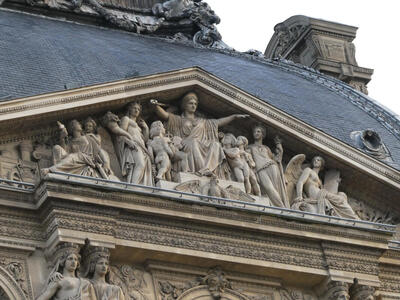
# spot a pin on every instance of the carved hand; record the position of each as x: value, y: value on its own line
x: 156, y: 103
x: 56, y: 277
x: 142, y: 123
x: 239, y: 116
x: 60, y: 125
x: 277, y: 140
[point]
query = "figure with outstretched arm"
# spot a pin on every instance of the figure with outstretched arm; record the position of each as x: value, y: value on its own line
x: 199, y: 135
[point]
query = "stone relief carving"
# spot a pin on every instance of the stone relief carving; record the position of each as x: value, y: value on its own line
x: 167, y: 15
x: 313, y: 196
x: 81, y: 152
x: 63, y: 282
x: 93, y: 277
x: 160, y: 150
x: 285, y: 37
x: 215, y: 281
x: 17, y: 271
x: 269, y: 167
x: 188, y: 152
x: 130, y: 136
x: 3, y: 294
x: 132, y: 281
x: 16, y: 162
x: 97, y: 261
x: 335, y: 290
x: 213, y: 188
x: 293, y: 294
x: 367, y: 213
x: 200, y: 136
x: 361, y: 292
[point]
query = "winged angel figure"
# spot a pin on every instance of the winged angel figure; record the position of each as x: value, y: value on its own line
x: 306, y: 192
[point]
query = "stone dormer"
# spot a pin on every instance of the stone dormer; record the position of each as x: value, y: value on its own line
x: 323, y: 45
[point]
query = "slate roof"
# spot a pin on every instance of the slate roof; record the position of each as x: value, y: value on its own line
x: 40, y: 55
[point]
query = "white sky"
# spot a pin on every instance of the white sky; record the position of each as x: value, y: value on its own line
x: 249, y: 24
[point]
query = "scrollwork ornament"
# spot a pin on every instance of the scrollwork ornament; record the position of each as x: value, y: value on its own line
x: 130, y: 279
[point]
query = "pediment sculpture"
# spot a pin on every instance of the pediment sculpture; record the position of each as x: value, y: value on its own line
x: 189, y: 152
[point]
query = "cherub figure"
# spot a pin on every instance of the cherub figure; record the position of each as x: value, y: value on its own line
x: 180, y: 157
x: 235, y: 160
x: 160, y: 150
x: 242, y: 143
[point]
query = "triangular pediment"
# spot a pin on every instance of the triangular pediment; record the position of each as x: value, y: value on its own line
x: 30, y: 133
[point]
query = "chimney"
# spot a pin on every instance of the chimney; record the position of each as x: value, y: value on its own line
x: 323, y: 45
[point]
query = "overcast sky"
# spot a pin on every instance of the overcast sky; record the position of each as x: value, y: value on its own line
x: 249, y: 24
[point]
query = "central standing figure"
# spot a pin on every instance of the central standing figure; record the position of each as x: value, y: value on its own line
x: 199, y: 136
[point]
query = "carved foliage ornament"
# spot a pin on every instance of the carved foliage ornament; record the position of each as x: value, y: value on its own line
x: 286, y: 36
x: 16, y: 269
x: 215, y: 281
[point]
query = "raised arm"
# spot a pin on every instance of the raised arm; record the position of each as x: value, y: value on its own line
x: 227, y: 120
x: 63, y: 135
x: 300, y: 183
x: 115, y: 129
x: 161, y: 113
x: 278, y: 149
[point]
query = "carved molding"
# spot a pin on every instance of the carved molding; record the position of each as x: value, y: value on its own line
x: 352, y: 259
x: 150, y: 202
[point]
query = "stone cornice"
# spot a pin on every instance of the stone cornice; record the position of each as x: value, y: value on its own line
x: 118, y: 92
x: 156, y: 204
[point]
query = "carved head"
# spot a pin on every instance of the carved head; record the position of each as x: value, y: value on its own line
x: 96, y: 261
x: 134, y: 109
x: 67, y: 256
x: 74, y: 126
x: 259, y: 131
x: 157, y: 129
x: 216, y: 282
x: 229, y: 140
x: 90, y: 125
x: 190, y: 102
x: 318, y: 162
x: 242, y: 140
x: 108, y: 118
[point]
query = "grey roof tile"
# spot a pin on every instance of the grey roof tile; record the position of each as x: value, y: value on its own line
x: 40, y: 55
